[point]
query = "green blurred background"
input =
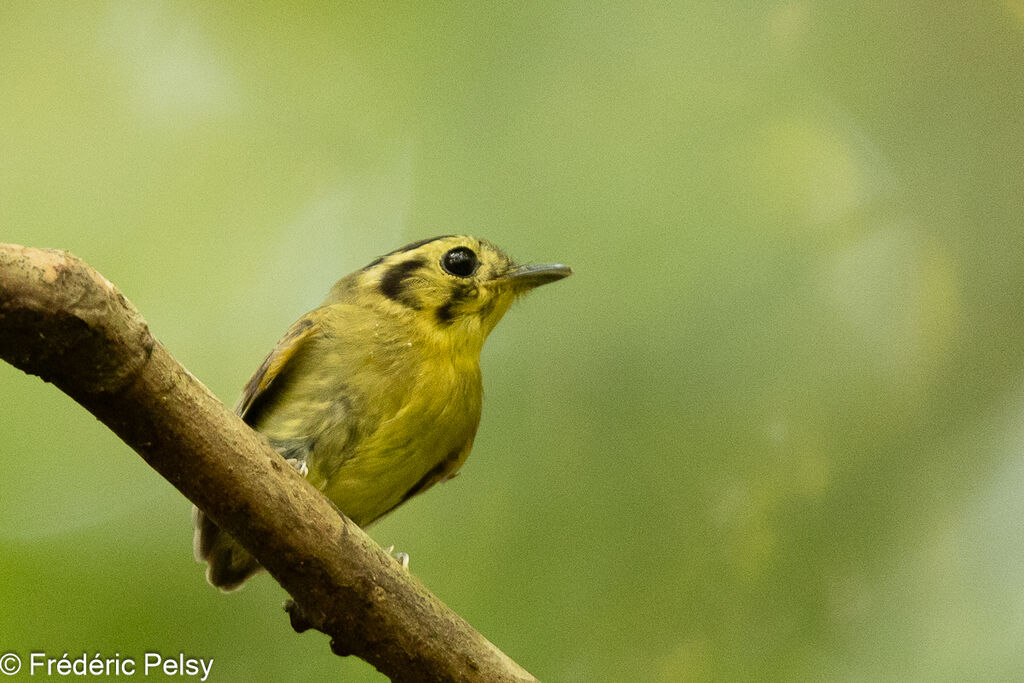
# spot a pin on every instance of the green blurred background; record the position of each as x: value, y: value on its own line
x: 771, y: 429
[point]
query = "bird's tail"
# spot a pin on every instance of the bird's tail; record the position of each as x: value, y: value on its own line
x: 228, y: 563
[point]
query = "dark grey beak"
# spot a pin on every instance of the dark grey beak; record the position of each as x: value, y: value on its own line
x: 524, y: 278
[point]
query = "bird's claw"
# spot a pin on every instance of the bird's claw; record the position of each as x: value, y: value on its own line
x: 403, y: 558
x: 299, y: 465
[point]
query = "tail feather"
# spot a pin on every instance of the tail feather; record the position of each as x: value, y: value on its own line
x: 228, y: 563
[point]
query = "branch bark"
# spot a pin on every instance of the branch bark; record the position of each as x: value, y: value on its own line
x: 63, y: 321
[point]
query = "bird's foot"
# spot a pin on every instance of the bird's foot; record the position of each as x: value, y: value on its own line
x: 403, y: 558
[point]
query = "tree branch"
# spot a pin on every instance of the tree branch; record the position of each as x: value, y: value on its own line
x: 63, y: 321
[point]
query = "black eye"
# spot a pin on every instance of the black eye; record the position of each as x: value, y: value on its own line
x: 459, y: 261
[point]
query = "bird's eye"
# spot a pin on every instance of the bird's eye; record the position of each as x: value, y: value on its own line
x: 460, y: 261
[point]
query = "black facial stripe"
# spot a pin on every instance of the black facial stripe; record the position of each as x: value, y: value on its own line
x: 444, y: 313
x: 461, y: 292
x: 402, y: 250
x: 487, y: 308
x: 420, y: 243
x: 393, y: 284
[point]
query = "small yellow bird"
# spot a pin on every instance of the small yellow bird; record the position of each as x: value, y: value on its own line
x: 375, y: 396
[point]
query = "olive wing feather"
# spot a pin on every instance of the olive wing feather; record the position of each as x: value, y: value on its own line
x: 260, y: 386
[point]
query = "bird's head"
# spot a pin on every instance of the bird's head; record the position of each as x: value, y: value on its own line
x: 456, y: 287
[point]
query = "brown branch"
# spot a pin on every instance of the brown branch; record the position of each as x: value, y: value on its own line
x: 63, y: 321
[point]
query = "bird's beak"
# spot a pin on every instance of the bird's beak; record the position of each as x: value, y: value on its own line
x: 524, y: 278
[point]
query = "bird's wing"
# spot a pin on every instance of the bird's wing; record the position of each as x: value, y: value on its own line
x: 258, y: 389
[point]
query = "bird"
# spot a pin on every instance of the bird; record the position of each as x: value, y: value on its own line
x: 375, y: 396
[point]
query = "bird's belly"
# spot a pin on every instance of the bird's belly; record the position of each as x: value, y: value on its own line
x: 403, y: 442
x: 369, y: 474
x: 369, y: 484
